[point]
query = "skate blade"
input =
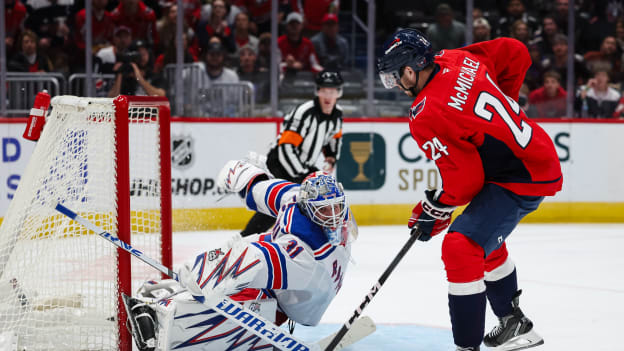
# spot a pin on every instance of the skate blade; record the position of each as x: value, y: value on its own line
x: 521, y: 342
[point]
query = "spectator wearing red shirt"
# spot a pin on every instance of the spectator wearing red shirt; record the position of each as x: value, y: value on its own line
x: 28, y: 59
x: 102, y: 25
x: 141, y: 19
x: 549, y: 100
x: 298, y: 53
x: 313, y: 12
x: 14, y: 15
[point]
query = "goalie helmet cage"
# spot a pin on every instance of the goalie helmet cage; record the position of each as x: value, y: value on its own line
x: 60, y: 285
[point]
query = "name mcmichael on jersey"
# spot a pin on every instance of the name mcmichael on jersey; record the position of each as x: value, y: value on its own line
x: 466, y: 77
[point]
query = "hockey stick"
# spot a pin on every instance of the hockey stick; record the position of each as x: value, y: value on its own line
x: 223, y: 305
x: 415, y: 234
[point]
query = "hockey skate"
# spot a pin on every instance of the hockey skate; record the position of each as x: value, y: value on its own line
x: 469, y: 348
x: 514, y: 331
x: 142, y: 323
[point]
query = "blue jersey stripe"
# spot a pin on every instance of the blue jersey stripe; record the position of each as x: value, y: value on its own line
x: 325, y: 254
x: 282, y: 259
x: 267, y: 257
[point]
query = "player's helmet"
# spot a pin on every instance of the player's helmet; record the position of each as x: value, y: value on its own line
x: 407, y: 47
x: 322, y: 199
x: 329, y: 79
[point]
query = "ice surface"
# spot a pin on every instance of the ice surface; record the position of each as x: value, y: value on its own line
x: 572, y: 276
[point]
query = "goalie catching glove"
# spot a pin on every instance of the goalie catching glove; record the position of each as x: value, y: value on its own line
x: 431, y: 216
x: 237, y: 176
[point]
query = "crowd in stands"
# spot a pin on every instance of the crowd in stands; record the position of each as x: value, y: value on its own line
x: 542, y: 26
x: 230, y: 41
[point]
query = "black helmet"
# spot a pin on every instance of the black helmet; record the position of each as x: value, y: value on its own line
x: 329, y: 79
x: 407, y: 47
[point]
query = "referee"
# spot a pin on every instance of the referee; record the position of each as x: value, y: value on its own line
x: 310, y: 129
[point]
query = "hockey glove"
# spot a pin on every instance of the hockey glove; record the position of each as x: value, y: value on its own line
x: 431, y: 216
x: 237, y: 176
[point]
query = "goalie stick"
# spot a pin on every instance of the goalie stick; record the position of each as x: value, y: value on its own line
x: 415, y: 234
x: 225, y: 306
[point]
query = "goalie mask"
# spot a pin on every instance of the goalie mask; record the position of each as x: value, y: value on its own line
x: 322, y: 200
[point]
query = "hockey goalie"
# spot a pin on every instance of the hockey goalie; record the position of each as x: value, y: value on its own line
x: 293, y: 272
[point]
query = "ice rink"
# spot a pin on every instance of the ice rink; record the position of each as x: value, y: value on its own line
x: 572, y: 276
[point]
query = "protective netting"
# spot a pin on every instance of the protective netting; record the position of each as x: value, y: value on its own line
x: 58, y: 282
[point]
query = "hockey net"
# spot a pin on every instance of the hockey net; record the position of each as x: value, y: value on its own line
x: 109, y: 161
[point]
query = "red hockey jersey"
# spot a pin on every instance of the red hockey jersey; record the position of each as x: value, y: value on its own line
x: 468, y: 121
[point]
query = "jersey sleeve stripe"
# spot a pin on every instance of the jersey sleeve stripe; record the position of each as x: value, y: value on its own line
x: 272, y: 199
x: 323, y: 252
x: 322, y: 249
x: 267, y: 258
x: 288, y: 219
x: 276, y: 263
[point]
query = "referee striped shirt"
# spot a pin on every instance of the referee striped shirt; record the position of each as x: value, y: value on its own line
x: 305, y: 133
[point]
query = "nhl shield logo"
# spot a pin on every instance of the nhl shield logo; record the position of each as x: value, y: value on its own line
x: 182, y: 152
x: 416, y: 109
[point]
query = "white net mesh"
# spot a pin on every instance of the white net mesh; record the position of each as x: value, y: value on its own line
x: 58, y: 282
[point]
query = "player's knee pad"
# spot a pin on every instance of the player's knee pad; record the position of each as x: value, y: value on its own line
x: 463, y: 258
x: 498, y: 265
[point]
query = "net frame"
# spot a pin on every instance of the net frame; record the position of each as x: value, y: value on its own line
x: 131, y: 114
x: 123, y: 104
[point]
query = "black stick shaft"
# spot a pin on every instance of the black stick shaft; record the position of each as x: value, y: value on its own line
x: 367, y: 299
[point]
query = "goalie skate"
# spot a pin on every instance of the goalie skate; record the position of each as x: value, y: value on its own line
x: 142, y: 322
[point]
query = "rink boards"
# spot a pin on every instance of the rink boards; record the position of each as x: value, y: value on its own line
x: 381, y: 167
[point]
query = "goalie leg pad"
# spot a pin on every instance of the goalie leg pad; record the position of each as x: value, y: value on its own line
x: 142, y: 321
x: 184, y: 323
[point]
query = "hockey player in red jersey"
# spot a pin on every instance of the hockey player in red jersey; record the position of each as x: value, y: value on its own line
x: 466, y: 118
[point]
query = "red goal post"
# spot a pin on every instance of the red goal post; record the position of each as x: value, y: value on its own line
x: 129, y: 108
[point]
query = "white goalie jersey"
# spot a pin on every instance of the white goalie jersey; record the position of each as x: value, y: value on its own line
x: 294, y: 263
x: 291, y: 272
